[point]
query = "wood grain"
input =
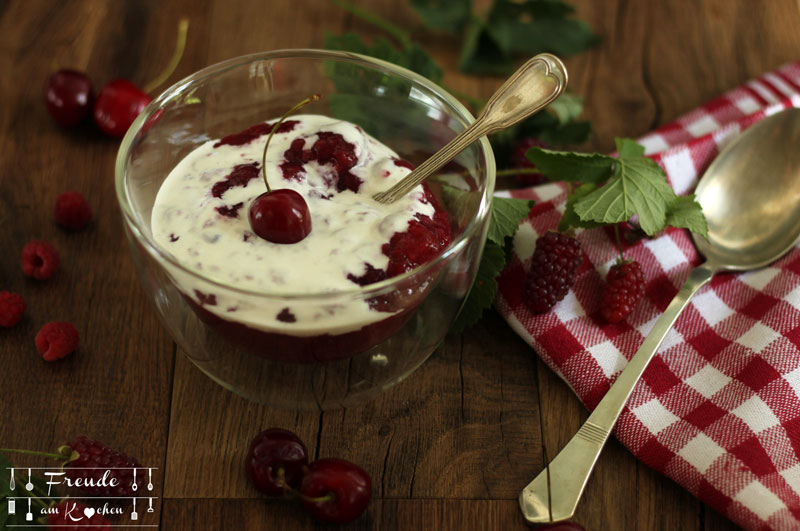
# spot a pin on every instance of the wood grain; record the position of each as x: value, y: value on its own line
x: 449, y: 448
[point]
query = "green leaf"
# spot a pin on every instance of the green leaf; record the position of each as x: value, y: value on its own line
x: 566, y: 108
x: 4, y: 516
x: 570, y: 134
x: 506, y: 216
x: 637, y: 188
x: 420, y: 61
x: 461, y: 204
x: 686, y: 213
x: 570, y: 218
x: 570, y: 166
x: 414, y: 57
x: 480, y: 54
x: 448, y: 15
x: 483, y: 290
x: 629, y: 149
x: 538, y: 26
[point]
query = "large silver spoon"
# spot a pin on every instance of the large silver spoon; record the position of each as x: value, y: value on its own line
x: 751, y: 198
x: 536, y: 84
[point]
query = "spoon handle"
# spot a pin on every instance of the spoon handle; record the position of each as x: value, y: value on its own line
x: 570, y: 469
x: 535, y: 85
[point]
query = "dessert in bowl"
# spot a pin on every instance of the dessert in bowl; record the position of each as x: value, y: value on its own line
x: 368, y: 294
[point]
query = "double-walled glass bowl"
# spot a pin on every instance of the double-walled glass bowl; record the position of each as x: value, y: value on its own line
x: 326, y: 364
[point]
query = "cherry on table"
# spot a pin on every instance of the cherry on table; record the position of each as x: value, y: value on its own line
x: 280, y: 216
x: 276, y: 461
x: 335, y: 490
x: 68, y: 95
x: 117, y: 106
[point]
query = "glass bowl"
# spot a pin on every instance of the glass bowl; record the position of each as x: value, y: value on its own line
x: 330, y: 363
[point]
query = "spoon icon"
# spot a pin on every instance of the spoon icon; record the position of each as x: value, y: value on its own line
x: 29, y: 485
x: 750, y: 196
x: 536, y: 84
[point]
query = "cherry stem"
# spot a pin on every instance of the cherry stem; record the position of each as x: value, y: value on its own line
x: 180, y: 46
x: 30, y: 452
x: 322, y: 499
x: 311, y: 99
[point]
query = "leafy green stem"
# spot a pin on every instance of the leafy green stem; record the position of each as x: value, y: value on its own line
x: 31, y: 495
x: 401, y: 35
x: 619, y: 242
x: 510, y: 172
x: 31, y: 452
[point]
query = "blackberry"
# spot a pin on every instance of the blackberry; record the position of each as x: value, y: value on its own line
x: 553, y: 269
x: 96, y: 460
x: 624, y: 288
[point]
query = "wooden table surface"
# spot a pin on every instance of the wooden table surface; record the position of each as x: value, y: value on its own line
x: 451, y: 447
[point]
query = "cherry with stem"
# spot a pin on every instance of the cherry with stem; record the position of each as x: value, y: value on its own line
x: 280, y: 216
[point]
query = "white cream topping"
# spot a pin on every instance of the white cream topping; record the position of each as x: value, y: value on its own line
x: 348, y: 229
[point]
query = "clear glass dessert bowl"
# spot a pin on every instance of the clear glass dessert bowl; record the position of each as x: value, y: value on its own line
x: 229, y: 332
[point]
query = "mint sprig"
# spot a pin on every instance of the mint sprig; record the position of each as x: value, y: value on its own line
x: 613, y: 190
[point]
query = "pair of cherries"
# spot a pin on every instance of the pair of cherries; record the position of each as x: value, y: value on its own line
x: 333, y: 490
x: 70, y: 98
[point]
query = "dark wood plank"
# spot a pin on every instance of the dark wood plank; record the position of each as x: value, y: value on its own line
x: 386, y: 515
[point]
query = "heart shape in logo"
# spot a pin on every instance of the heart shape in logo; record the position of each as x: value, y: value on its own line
x: 89, y: 512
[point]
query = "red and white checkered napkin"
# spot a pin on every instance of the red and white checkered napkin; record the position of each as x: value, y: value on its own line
x: 718, y: 409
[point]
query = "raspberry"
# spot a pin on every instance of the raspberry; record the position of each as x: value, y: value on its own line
x: 329, y: 148
x: 12, y: 306
x: 519, y: 160
x: 70, y: 514
x: 72, y: 211
x: 421, y: 242
x: 56, y: 340
x: 97, y: 464
x: 624, y: 288
x: 553, y: 269
x: 251, y: 133
x: 39, y: 260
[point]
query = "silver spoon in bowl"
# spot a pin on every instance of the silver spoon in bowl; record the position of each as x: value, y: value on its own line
x: 536, y: 84
x: 751, y: 199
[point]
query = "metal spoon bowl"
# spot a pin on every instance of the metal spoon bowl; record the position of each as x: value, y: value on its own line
x: 751, y: 199
x: 750, y: 196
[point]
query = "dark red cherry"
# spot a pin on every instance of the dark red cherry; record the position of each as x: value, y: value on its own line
x: 68, y: 95
x: 280, y: 216
x: 117, y: 106
x: 275, y: 461
x: 335, y: 490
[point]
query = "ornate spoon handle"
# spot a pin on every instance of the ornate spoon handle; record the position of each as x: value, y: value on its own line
x: 536, y: 84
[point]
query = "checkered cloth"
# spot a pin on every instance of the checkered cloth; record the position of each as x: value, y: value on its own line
x: 718, y: 409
